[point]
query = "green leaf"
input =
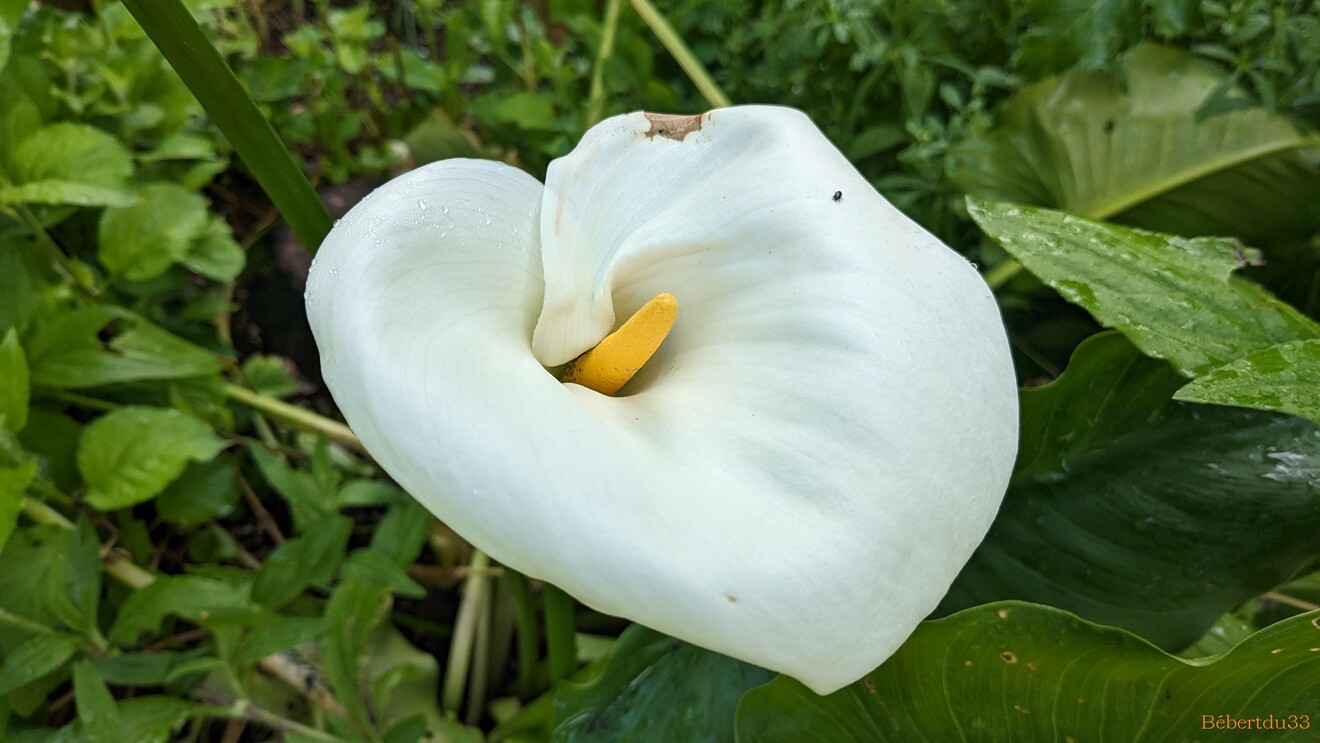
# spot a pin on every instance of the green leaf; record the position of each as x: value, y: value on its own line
x: 277, y: 636
x: 1085, y: 33
x: 1174, y: 297
x: 96, y: 708
x: 1285, y: 378
x: 149, y: 719
x: 5, y: 35
x: 215, y: 254
x: 293, y: 566
x: 401, y: 535
x: 131, y: 454
x: 177, y: 35
x: 371, y: 566
x: 57, y: 192
x: 271, y: 375
x: 82, y: 574
x: 657, y: 688
x: 189, y: 597
x: 138, y: 669
x: 1015, y: 671
x: 14, y: 482
x: 71, y: 153
x: 204, y: 492
x: 307, y: 502
x: 69, y: 351
x: 1158, y: 521
x: 1082, y: 144
x: 32, y: 583
x: 14, y: 386
x: 37, y: 657
x: 141, y: 241
x: 354, y: 609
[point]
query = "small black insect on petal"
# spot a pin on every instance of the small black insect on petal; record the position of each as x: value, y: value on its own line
x: 838, y: 196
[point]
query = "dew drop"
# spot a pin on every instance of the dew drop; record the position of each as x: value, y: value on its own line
x: 421, y: 204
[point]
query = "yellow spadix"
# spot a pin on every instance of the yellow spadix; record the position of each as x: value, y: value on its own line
x: 621, y: 354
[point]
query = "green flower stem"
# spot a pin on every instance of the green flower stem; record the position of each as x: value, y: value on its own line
x: 524, y: 616
x: 295, y: 416
x: 596, y: 98
x: 176, y: 33
x: 696, y: 71
x: 1002, y: 274
x: 560, y: 632
x: 475, y: 588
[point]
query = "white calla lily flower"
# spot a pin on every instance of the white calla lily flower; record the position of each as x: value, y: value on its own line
x: 798, y: 473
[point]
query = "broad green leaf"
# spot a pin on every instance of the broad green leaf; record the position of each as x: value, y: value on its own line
x: 71, y: 153
x: 69, y: 351
x: 656, y: 688
x: 1013, y: 671
x: 298, y: 563
x: 14, y: 482
x: 1155, y: 518
x: 1174, y: 297
x: 204, y: 492
x: 354, y: 610
x: 131, y: 454
x: 1285, y: 378
x: 96, y: 708
x: 176, y: 33
x: 141, y: 241
x: 405, y: 683
x: 57, y: 192
x: 189, y: 597
x: 1130, y: 147
x: 1108, y: 390
x: 214, y: 254
x: 14, y: 386
x: 35, y: 658
x: 138, y: 669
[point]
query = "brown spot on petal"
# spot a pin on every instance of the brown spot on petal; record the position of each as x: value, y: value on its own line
x: 672, y: 126
x: 732, y: 599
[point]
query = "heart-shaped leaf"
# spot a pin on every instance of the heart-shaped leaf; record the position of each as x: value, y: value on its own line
x: 1131, y: 146
x: 1285, y: 378
x: 1013, y: 671
x: 656, y: 688
x: 1156, y: 518
x: 1174, y: 297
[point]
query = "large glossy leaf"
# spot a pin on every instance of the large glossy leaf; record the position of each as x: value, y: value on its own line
x: 1285, y: 378
x: 1156, y: 518
x: 1020, y: 672
x: 1174, y: 297
x: 131, y: 454
x: 656, y: 688
x: 1131, y: 147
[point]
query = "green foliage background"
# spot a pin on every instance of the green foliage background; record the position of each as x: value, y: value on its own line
x: 194, y: 547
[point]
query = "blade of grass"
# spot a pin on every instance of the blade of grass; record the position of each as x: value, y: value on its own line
x: 596, y: 98
x: 176, y: 33
x: 696, y: 71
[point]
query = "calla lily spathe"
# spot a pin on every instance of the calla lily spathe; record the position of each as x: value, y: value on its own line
x: 797, y: 475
